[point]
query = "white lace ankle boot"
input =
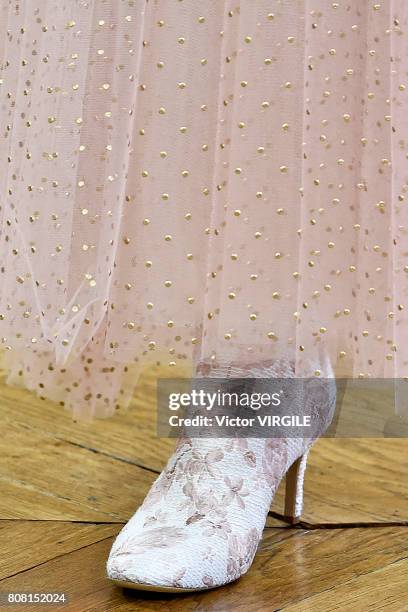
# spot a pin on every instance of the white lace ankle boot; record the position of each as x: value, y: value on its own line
x: 201, y: 522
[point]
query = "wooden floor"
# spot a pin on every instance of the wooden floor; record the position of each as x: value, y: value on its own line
x: 67, y: 488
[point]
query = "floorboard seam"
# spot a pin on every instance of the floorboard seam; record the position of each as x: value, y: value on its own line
x: 356, y: 525
x: 60, y: 438
x: 106, y: 454
x: 28, y: 569
x: 65, y: 521
x: 300, y: 526
x: 348, y: 525
x: 346, y: 582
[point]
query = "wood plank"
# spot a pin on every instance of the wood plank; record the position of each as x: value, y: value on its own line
x: 26, y: 544
x: 356, y: 480
x: 384, y: 589
x: 53, y: 479
x: 293, y: 568
x: 130, y: 435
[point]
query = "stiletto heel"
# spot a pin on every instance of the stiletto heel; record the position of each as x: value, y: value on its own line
x: 294, y: 490
x: 201, y: 522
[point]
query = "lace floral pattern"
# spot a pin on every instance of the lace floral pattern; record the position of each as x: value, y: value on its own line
x: 201, y: 522
x: 208, y: 506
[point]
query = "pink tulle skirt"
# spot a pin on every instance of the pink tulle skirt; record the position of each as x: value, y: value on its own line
x: 186, y: 181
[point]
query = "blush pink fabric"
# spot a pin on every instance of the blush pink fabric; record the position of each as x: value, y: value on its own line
x: 185, y: 180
